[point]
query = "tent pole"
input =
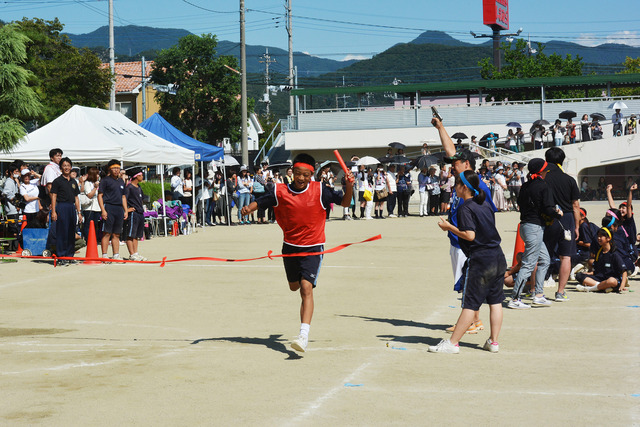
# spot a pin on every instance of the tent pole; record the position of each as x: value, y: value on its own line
x: 202, y: 191
x: 164, y: 200
x: 226, y: 193
x: 194, y: 208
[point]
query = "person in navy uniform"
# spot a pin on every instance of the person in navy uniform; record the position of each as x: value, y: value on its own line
x: 113, y: 205
x: 609, y: 269
x: 483, y: 272
x: 134, y: 225
x: 65, y: 210
x: 300, y: 210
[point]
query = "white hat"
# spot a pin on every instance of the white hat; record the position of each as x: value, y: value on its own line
x: 243, y: 168
x: 25, y: 171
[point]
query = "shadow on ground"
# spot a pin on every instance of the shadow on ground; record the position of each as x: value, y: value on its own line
x: 274, y: 342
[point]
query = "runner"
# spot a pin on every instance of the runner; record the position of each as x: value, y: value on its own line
x: 300, y: 212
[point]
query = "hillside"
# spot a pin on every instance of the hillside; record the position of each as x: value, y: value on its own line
x: 131, y: 40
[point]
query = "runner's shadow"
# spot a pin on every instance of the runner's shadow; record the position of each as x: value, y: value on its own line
x: 399, y: 322
x: 412, y: 339
x: 274, y: 342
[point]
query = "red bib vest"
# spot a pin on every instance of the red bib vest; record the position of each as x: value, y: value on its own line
x: 301, y: 215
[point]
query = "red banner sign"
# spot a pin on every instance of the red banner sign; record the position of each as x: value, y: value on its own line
x: 496, y: 13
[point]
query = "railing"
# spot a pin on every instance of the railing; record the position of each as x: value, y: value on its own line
x: 270, y: 138
x: 499, y: 152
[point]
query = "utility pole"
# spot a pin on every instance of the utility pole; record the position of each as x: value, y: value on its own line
x: 496, y: 36
x: 267, y: 60
x: 144, y: 89
x: 289, y: 32
x: 112, y: 60
x: 243, y: 94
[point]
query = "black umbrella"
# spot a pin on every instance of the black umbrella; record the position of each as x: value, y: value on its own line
x: 567, y: 114
x: 397, y: 145
x: 597, y: 116
x: 542, y: 122
x: 385, y: 159
x: 440, y: 155
x: 400, y: 160
x: 459, y: 135
x: 278, y: 166
x: 424, y: 162
x: 334, y: 166
x: 514, y: 125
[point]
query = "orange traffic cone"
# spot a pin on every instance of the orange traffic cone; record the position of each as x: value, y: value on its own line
x: 92, y: 246
x: 518, y: 248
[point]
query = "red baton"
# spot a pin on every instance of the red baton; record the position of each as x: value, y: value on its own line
x: 343, y: 165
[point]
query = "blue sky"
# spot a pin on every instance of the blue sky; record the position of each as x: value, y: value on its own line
x: 363, y: 28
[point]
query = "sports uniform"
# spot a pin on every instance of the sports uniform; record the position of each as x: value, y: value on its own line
x: 301, y: 216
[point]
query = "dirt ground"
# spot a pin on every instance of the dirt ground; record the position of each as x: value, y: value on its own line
x: 204, y: 343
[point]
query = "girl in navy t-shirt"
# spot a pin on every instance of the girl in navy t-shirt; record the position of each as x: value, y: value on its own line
x: 609, y: 269
x: 483, y: 273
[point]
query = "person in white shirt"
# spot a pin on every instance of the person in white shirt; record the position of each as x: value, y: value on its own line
x: 89, y: 203
x: 393, y: 188
x: 616, y: 120
x: 177, y: 184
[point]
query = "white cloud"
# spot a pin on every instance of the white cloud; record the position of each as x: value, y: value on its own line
x: 356, y: 57
x: 631, y: 38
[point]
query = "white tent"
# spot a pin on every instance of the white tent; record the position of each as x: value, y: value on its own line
x: 93, y: 135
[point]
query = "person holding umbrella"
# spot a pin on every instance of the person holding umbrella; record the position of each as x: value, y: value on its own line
x: 616, y: 120
x: 584, y: 128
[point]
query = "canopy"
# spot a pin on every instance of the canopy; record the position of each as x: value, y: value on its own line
x: 157, y: 125
x: 93, y: 135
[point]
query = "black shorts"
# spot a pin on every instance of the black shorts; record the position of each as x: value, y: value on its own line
x: 483, y: 279
x: 361, y: 196
x: 597, y: 277
x: 554, y: 236
x: 134, y: 226
x: 115, y: 219
x: 302, y: 267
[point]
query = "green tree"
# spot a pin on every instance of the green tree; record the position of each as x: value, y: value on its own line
x: 206, y: 103
x: 520, y: 64
x: 631, y: 66
x: 18, y: 101
x: 65, y: 76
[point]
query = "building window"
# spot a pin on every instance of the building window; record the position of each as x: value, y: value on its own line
x: 125, y: 108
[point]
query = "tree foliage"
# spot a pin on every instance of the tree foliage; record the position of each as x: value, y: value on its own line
x: 206, y: 104
x: 631, y: 66
x: 65, y: 76
x: 520, y: 64
x: 18, y: 100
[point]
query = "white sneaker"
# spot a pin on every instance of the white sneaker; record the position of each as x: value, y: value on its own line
x: 550, y: 283
x: 636, y: 270
x: 577, y: 269
x: 444, y: 346
x: 582, y: 288
x: 391, y: 216
x: 300, y: 343
x: 541, y: 301
x: 491, y: 346
x: 518, y: 305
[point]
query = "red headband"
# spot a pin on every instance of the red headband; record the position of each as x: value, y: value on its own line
x: 304, y: 165
x: 537, y: 174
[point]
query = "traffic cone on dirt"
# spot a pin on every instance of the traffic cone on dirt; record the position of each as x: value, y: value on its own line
x: 22, y: 227
x: 518, y: 248
x: 92, y: 246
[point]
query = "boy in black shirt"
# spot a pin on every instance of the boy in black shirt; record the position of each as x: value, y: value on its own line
x: 134, y: 225
x: 114, y: 209
x: 65, y: 210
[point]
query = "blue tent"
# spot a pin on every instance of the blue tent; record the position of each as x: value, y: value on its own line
x: 157, y: 125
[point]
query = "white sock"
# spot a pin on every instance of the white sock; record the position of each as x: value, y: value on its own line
x: 304, y: 329
x: 593, y: 288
